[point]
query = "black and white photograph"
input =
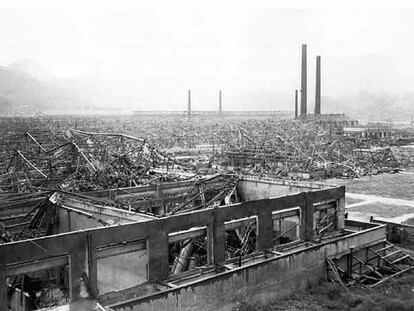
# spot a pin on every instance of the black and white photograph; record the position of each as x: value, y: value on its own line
x: 223, y: 155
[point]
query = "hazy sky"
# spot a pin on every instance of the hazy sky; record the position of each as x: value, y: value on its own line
x: 150, y: 53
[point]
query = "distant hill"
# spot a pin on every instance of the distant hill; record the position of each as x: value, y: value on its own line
x: 30, y: 67
x: 27, y: 89
x: 22, y: 92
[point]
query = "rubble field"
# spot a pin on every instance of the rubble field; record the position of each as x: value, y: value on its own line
x: 120, y: 163
x: 80, y: 154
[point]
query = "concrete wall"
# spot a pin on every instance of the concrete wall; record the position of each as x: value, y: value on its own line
x: 72, y: 245
x: 399, y: 233
x: 251, y: 190
x: 71, y: 221
x: 106, y: 213
x: 256, y: 188
x: 82, y: 246
x: 251, y: 187
x: 267, y: 280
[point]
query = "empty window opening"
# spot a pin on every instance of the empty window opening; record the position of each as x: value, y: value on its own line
x: 38, y: 285
x: 325, y: 218
x: 286, y: 226
x: 187, y: 250
x: 241, y: 237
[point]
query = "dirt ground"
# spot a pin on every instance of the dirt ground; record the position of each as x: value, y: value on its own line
x: 388, y: 196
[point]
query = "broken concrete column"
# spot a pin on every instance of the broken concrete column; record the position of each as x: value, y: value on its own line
x: 306, y: 218
x: 216, y: 240
x: 264, y: 224
x: 77, y: 260
x: 158, y: 256
x: 341, y: 209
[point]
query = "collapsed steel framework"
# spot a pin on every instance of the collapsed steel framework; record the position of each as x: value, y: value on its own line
x: 82, y: 155
x: 77, y: 161
x: 56, y: 163
x: 88, y: 154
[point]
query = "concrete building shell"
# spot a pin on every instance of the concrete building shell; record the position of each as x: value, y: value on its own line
x: 127, y: 268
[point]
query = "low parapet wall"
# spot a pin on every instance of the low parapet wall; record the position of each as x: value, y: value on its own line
x: 257, y: 187
x: 398, y: 233
x: 269, y: 279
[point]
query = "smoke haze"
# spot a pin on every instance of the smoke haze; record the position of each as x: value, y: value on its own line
x: 121, y: 56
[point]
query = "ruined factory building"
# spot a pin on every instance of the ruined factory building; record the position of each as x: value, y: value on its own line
x: 183, y: 245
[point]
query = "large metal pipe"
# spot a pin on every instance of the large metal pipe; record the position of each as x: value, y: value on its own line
x: 182, y: 260
x: 189, y: 104
x: 318, y: 86
x: 303, y: 97
x: 220, y: 102
x: 296, y: 104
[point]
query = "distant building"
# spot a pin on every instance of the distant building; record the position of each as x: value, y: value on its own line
x: 242, y: 114
x: 337, y: 121
x: 369, y: 132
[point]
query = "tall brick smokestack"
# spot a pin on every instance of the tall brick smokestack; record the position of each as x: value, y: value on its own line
x: 318, y: 86
x: 303, y: 98
x: 189, y: 104
x: 296, y: 104
x: 220, y: 102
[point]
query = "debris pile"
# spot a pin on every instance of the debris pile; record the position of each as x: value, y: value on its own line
x: 79, y: 161
x: 90, y: 154
x: 294, y: 148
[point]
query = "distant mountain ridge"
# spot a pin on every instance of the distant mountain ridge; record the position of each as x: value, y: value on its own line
x: 25, y: 89
x: 30, y: 67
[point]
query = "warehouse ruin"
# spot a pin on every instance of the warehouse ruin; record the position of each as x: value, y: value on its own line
x: 190, y: 210
x: 263, y: 234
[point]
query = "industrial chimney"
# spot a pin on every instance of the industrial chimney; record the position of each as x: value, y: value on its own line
x: 303, y: 99
x: 189, y: 104
x: 318, y: 86
x: 220, y: 102
x: 296, y: 104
